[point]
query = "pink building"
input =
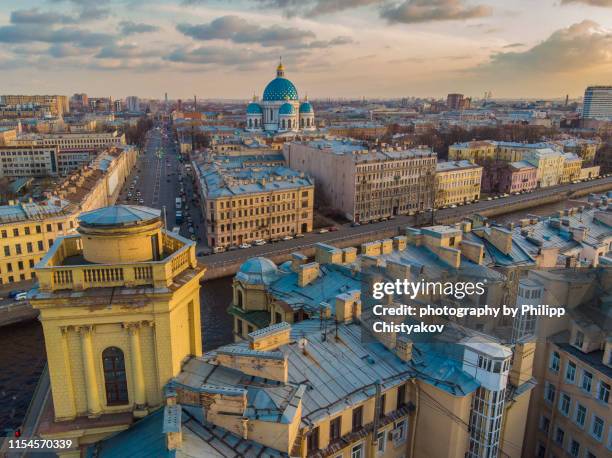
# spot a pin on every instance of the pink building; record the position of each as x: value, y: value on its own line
x: 503, y: 177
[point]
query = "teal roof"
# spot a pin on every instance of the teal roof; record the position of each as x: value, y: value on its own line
x: 119, y: 215
x: 254, y: 108
x: 257, y: 271
x: 280, y: 88
x: 306, y: 107
x: 286, y: 109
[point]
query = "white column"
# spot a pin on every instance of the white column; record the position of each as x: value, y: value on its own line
x: 137, y: 370
x: 91, y: 384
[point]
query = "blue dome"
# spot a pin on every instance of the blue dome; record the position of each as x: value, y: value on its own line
x: 286, y: 109
x: 306, y: 107
x: 119, y: 215
x: 257, y: 271
x: 280, y: 88
x: 254, y: 108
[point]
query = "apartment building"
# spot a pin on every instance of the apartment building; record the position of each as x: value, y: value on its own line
x: 489, y: 150
x: 29, y: 229
x: 570, y: 408
x: 365, y: 184
x: 7, y: 135
x: 247, y: 198
x: 29, y: 160
x: 73, y: 141
x: 572, y: 165
x: 585, y: 148
x: 457, y: 182
x: 509, y: 177
x: 549, y: 164
x: 57, y: 105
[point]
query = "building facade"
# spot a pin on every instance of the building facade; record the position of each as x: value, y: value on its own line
x: 572, y: 165
x: 57, y: 105
x: 597, y: 102
x: 280, y: 109
x: 248, y: 198
x: 457, y: 182
x: 366, y: 184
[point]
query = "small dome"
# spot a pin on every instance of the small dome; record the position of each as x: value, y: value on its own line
x: 254, y: 108
x: 306, y: 107
x: 257, y: 271
x: 119, y: 215
x: 286, y: 109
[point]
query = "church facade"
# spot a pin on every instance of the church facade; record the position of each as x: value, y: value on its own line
x: 280, y: 109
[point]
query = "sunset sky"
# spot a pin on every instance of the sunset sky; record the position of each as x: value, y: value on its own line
x: 330, y: 48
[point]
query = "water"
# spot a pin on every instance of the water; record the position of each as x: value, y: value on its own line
x: 22, y: 350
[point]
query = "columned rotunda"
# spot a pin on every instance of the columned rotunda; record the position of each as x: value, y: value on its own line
x: 280, y: 110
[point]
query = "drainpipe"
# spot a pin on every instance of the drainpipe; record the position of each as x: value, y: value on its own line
x: 416, y: 417
x: 377, y: 407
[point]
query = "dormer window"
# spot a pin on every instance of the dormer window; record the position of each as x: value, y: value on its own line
x: 579, y: 339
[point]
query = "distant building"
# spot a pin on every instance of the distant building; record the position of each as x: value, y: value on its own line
x: 56, y: 104
x: 572, y: 164
x: 549, y: 164
x: 509, y: 177
x: 366, y: 184
x: 280, y: 109
x: 79, y: 102
x: 457, y: 102
x: 247, y: 198
x: 457, y: 182
x: 597, y: 102
x: 132, y: 103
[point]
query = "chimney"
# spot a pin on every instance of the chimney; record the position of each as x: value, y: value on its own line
x: 297, y: 259
x: 307, y: 273
x: 403, y: 348
x: 348, y: 306
x: 270, y: 338
x: 172, y: 426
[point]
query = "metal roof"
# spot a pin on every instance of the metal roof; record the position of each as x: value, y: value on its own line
x: 119, y: 215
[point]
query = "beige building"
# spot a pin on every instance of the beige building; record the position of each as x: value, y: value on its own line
x: 73, y: 141
x: 572, y: 164
x: 366, y: 184
x: 58, y: 105
x: 7, y: 135
x: 457, y: 182
x: 29, y: 160
x: 570, y: 408
x: 247, y: 198
x: 28, y: 230
x: 549, y: 165
x: 120, y: 311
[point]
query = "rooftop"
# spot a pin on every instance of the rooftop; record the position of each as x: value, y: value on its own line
x: 119, y: 215
x: 455, y: 165
x: 361, y: 153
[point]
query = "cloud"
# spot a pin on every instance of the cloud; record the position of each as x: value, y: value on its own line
x: 130, y: 27
x: 220, y: 55
x: 580, y: 47
x: 603, y: 3
x: 115, y: 51
x: 27, y: 33
x: 238, y: 30
x: 416, y: 11
x: 514, y: 45
x: 35, y: 16
x: 307, y: 7
x: 62, y: 50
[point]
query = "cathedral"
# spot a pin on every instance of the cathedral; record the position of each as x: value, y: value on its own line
x: 280, y: 110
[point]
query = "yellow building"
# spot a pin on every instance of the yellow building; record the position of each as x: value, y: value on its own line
x: 572, y: 164
x: 476, y: 151
x: 457, y: 182
x: 249, y: 198
x: 28, y: 229
x: 120, y: 311
x: 56, y: 104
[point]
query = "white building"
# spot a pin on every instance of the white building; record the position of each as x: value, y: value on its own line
x: 280, y: 110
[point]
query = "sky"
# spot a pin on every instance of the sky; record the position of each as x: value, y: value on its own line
x: 330, y: 48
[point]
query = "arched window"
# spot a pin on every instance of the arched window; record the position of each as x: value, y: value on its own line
x: 301, y: 122
x: 240, y: 299
x: 308, y: 122
x: 283, y: 124
x: 115, y: 381
x: 250, y: 123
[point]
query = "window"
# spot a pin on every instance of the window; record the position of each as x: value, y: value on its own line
x: 16, y: 232
x: 578, y: 339
x: 541, y: 451
x: 597, y: 427
x: 357, y: 418
x: 115, y: 381
x: 559, y: 435
x: 549, y: 393
x: 587, y: 381
x: 570, y: 372
x: 18, y: 248
x: 544, y: 424
x: 313, y: 440
x: 564, y: 404
x: 381, y: 407
x: 335, y: 428
x: 357, y: 451
x: 278, y: 318
x: 401, y: 396
x: 401, y: 428
x: 574, y: 448
x: 603, y: 393
x: 580, y: 415
x: 381, y: 441
x: 40, y: 245
x: 555, y: 361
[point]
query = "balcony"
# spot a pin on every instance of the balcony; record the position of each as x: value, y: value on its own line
x: 64, y: 267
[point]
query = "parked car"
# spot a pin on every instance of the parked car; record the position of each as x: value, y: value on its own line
x: 218, y: 249
x: 299, y: 236
x: 355, y: 224
x: 323, y: 231
x: 287, y: 237
x: 333, y: 229
x: 245, y: 245
x: 14, y: 293
x: 21, y: 296
x: 259, y: 242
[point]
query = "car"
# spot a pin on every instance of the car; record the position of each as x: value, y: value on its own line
x: 218, y: 249
x: 299, y: 236
x: 288, y: 237
x: 13, y: 294
x: 274, y: 240
x: 323, y: 231
x: 259, y: 242
x: 453, y: 206
x: 21, y: 296
x: 244, y: 246
x: 355, y: 224
x: 233, y: 248
x: 333, y: 229
x: 141, y: 201
x: 489, y: 198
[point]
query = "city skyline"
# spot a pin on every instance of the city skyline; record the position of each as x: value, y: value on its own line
x: 348, y: 48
